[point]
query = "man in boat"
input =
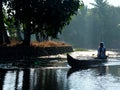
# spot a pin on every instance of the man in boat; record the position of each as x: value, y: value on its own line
x: 101, y: 51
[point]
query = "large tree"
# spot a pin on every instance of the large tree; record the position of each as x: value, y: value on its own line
x: 45, y: 16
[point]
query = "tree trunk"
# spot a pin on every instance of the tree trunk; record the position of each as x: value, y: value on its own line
x: 27, y: 35
x: 37, y: 35
x: 26, y: 80
x: 1, y: 23
x: 6, y: 38
x: 2, y: 78
x: 18, y: 31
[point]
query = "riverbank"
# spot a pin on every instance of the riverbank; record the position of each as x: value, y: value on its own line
x: 36, y: 49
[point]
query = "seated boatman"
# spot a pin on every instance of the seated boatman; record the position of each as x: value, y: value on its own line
x: 101, y: 51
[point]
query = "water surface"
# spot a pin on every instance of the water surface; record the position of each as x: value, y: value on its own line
x: 58, y: 75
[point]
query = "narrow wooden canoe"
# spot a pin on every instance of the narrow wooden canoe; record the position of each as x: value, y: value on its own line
x: 75, y: 63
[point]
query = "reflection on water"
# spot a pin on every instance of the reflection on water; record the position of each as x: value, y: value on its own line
x: 57, y: 75
x: 34, y: 79
x: 16, y: 81
x: 100, y: 78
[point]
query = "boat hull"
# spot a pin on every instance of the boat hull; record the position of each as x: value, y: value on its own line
x: 75, y: 63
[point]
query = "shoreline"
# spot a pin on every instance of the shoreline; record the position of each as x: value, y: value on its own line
x: 25, y: 51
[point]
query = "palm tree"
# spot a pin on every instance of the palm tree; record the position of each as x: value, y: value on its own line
x: 100, y: 13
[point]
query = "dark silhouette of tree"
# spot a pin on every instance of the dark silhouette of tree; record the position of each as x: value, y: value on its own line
x: 47, y: 17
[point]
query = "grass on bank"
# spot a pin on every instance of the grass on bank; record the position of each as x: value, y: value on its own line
x: 39, y: 44
x: 49, y: 44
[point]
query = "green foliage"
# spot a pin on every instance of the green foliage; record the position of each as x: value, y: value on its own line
x: 48, y: 17
x: 45, y: 16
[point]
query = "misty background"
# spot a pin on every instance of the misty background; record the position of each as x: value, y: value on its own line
x: 91, y: 26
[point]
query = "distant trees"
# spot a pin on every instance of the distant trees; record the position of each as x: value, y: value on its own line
x: 101, y: 23
x: 101, y: 13
x: 43, y: 17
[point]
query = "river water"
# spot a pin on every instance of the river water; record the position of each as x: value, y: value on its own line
x: 58, y: 75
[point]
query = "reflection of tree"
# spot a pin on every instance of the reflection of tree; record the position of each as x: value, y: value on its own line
x: 17, y: 79
x: 2, y: 76
x: 50, y: 79
x: 26, y: 79
x: 45, y: 80
x: 73, y: 70
x: 102, y: 70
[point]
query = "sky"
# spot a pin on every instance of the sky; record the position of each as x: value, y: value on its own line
x: 111, y: 2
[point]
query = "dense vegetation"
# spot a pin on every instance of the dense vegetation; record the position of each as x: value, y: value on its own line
x: 45, y: 18
x: 91, y: 26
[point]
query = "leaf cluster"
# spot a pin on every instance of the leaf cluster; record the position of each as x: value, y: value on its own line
x: 45, y: 16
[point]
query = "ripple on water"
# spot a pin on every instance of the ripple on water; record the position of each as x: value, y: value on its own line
x: 89, y: 80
